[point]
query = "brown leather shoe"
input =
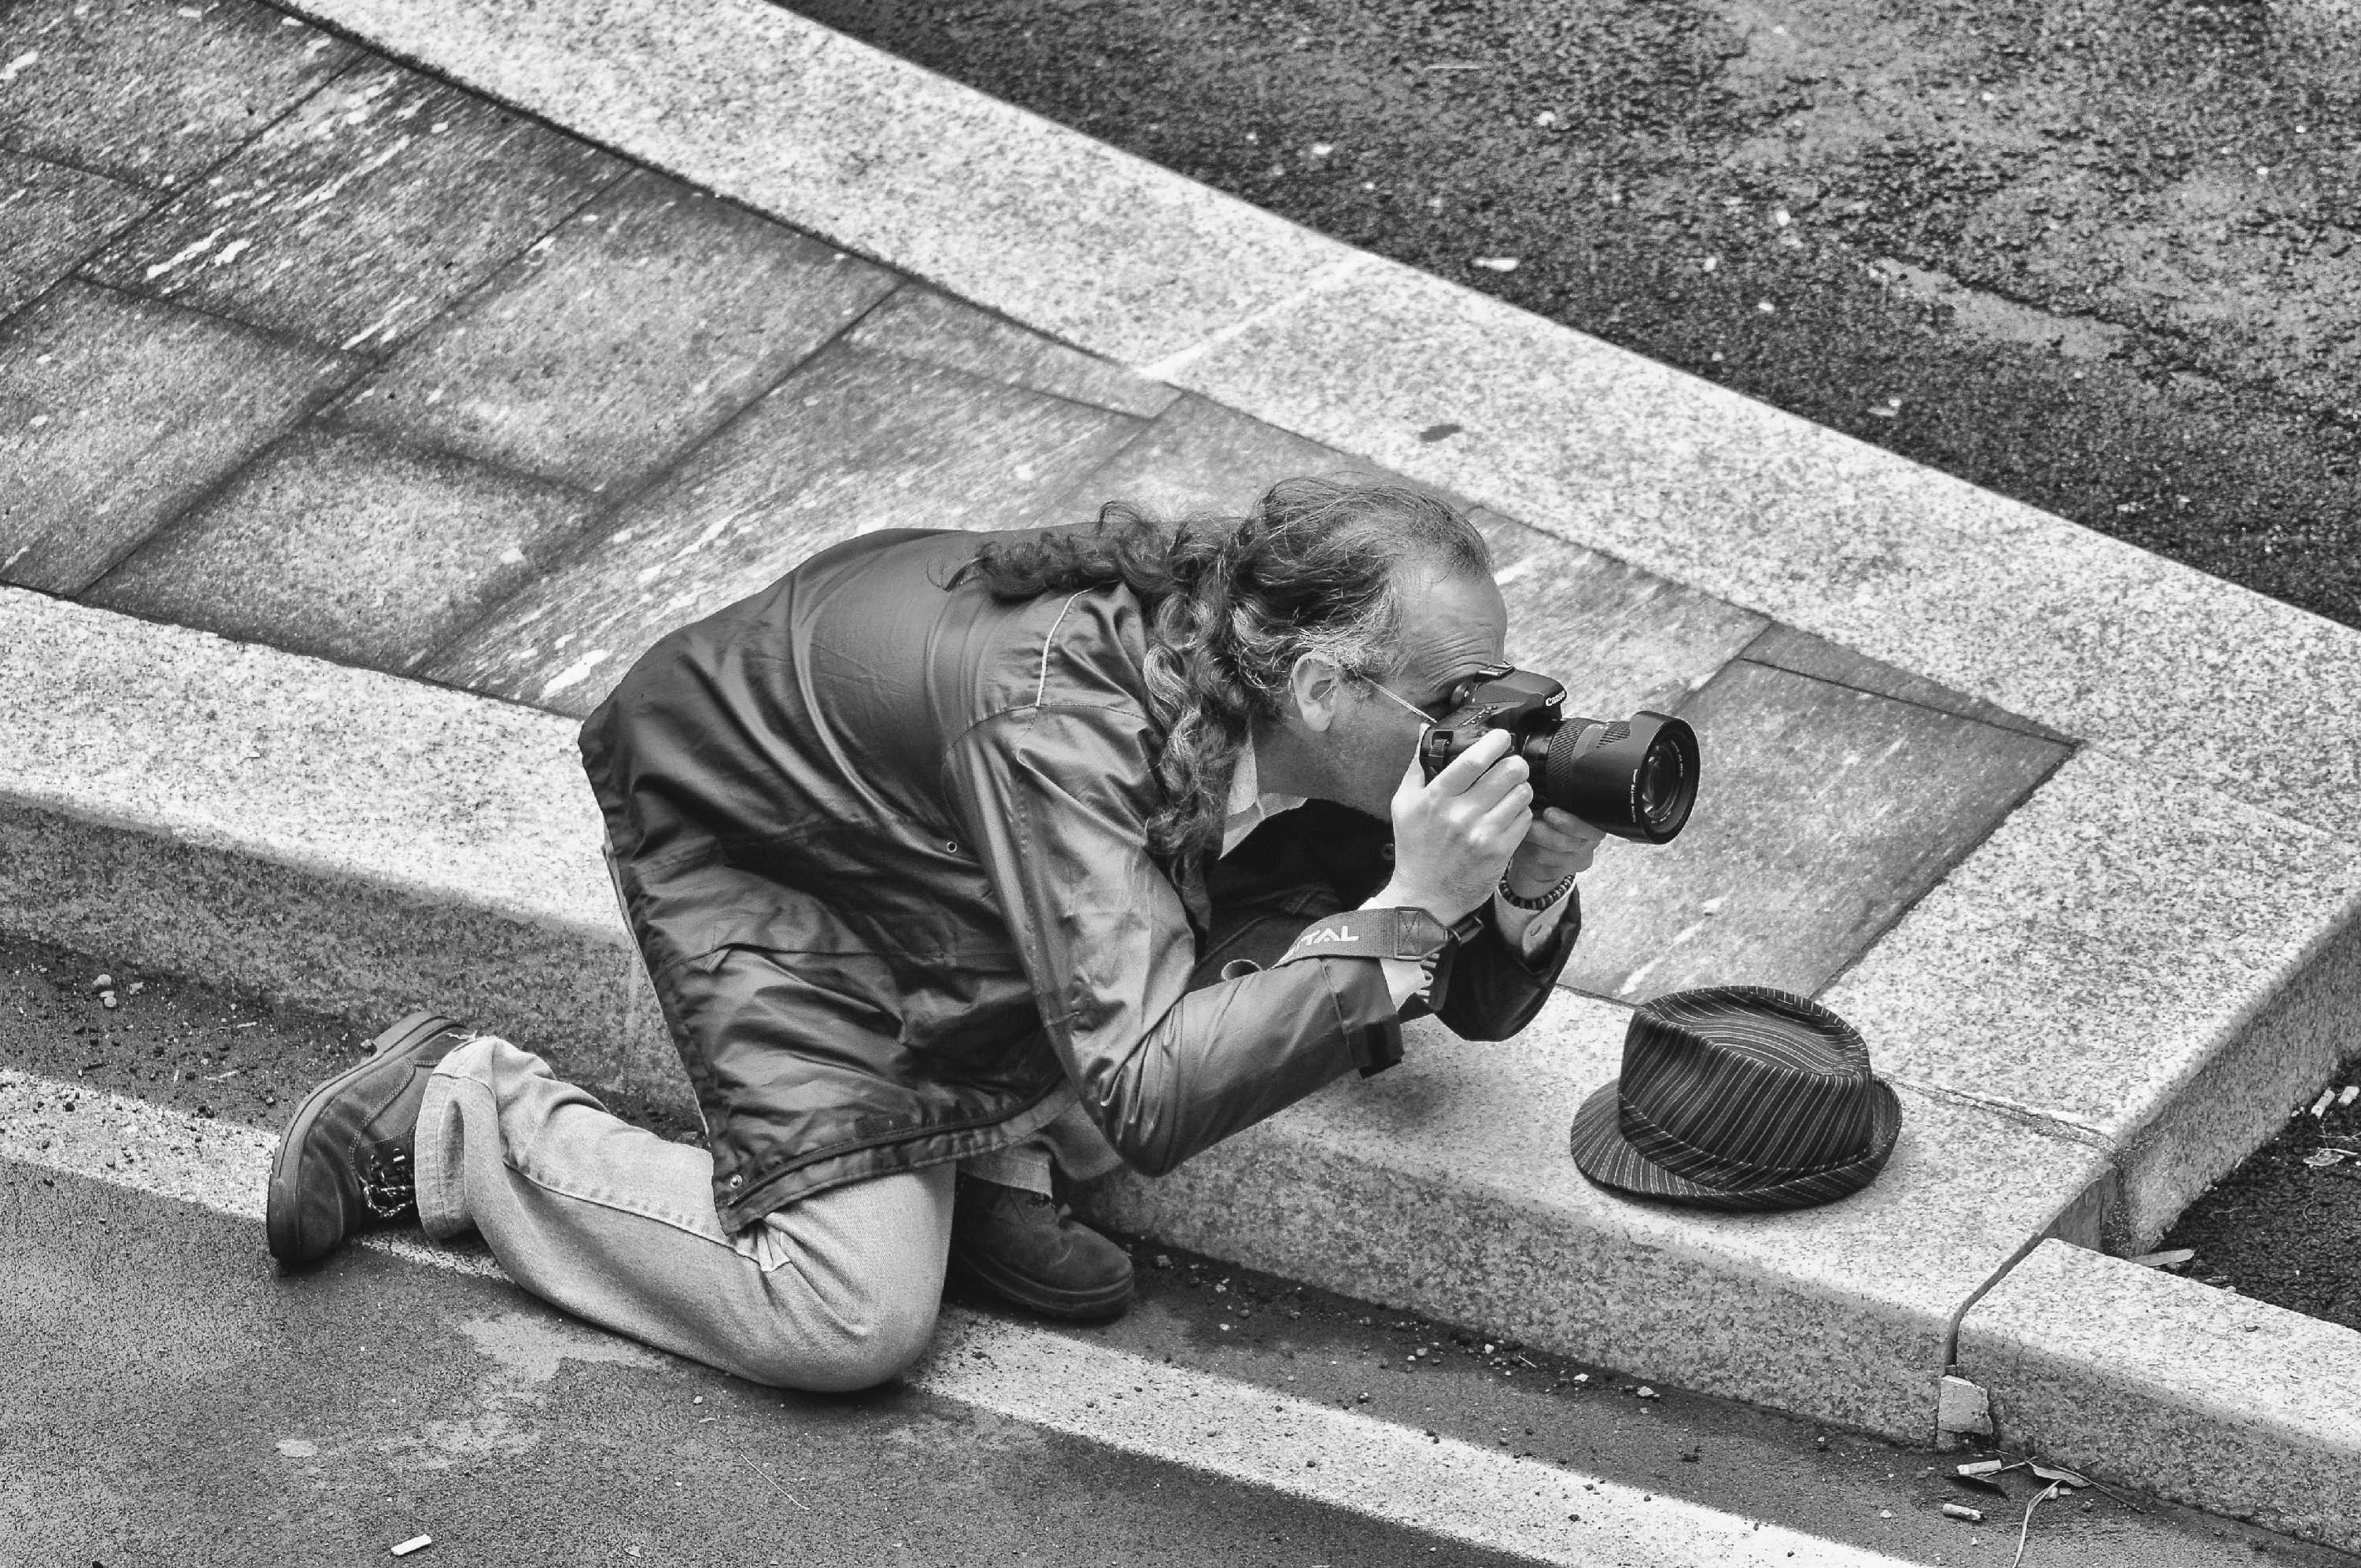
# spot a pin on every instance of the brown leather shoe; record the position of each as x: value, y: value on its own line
x: 345, y: 1164
x: 1021, y: 1247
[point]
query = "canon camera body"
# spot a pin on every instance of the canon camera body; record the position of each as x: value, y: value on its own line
x: 1635, y: 778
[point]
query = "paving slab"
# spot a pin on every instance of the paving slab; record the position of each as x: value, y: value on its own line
x: 350, y: 547
x: 356, y: 219
x: 760, y: 105
x: 1823, y: 812
x: 853, y: 442
x: 1784, y: 648
x: 52, y: 216
x: 1443, y: 1186
x: 2116, y: 942
x: 1618, y: 638
x: 152, y: 93
x: 123, y: 412
x: 919, y: 323
x: 620, y: 339
x: 2156, y: 1382
x: 1199, y: 458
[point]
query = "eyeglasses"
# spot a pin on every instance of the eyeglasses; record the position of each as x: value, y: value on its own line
x: 1462, y: 691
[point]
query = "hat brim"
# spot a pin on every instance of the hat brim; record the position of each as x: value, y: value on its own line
x: 1603, y: 1154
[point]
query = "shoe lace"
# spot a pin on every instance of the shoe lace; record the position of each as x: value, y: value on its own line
x: 387, y: 1185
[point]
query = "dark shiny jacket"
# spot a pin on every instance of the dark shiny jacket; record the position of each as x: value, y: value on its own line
x: 882, y: 845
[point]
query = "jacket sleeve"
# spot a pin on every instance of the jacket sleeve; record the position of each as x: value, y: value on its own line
x: 1493, y: 991
x: 1055, y: 801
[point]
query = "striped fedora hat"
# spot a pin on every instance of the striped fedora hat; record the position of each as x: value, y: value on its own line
x: 1739, y: 1097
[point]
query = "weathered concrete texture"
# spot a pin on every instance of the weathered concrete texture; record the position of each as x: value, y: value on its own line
x: 1822, y: 814
x: 50, y: 217
x: 2113, y: 940
x: 621, y: 339
x: 121, y: 412
x: 333, y: 836
x: 1443, y: 1186
x: 150, y: 92
x: 2155, y: 1382
x: 1091, y: 246
x: 918, y: 323
x: 2088, y: 636
x: 1199, y: 457
x: 1784, y: 648
x: 1618, y: 639
x: 362, y: 214
x: 853, y: 442
x: 350, y: 547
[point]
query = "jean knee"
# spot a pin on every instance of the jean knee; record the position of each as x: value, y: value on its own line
x: 854, y: 1351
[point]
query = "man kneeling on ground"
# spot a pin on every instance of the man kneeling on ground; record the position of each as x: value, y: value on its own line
x: 966, y: 865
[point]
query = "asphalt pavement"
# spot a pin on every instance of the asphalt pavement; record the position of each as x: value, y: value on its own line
x: 177, y: 1398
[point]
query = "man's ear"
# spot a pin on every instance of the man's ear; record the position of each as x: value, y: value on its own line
x: 1318, y: 688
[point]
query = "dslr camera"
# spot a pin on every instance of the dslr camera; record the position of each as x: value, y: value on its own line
x: 1635, y: 777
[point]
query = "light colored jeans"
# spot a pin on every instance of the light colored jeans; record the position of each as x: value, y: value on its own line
x: 615, y: 1225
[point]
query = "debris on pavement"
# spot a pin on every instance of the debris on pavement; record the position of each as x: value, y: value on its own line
x: 2346, y: 1096
x: 2026, y: 1528
x: 2062, y: 1476
x: 2319, y: 1157
x: 2327, y: 1097
x: 2172, y: 1257
x: 1497, y: 263
x: 1961, y: 1511
x: 416, y: 1543
x: 1988, y: 1467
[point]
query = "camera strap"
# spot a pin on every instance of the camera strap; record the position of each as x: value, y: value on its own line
x: 1412, y: 933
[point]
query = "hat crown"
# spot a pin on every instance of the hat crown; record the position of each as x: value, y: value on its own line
x: 1744, y: 1086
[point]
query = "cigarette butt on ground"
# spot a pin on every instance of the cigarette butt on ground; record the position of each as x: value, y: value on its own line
x: 2157, y: 1260
x: 2327, y: 1097
x: 2352, y: 1093
x: 416, y: 1543
x: 1961, y: 1511
x: 1983, y: 1467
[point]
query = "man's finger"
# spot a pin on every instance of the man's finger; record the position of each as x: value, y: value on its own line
x: 1471, y: 764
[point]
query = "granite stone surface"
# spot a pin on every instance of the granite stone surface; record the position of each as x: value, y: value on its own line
x: 1822, y: 814
x: 2134, y: 955
x: 851, y: 443
x: 50, y: 217
x: 147, y: 91
x: 1443, y: 1186
x: 919, y: 323
x: 2089, y: 958
x: 350, y: 547
x: 360, y: 216
x: 1091, y: 246
x: 624, y: 337
x: 2150, y: 1381
x: 2082, y: 634
x: 1616, y: 638
x: 335, y: 835
x: 2242, y: 1095
x: 124, y: 411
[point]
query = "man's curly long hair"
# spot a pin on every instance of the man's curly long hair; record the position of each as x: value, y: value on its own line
x: 1318, y: 567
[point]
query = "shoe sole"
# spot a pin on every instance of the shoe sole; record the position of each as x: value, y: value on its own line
x: 279, y: 1210
x: 1107, y: 1303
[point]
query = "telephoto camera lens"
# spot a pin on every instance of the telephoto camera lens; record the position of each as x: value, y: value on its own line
x: 1636, y: 780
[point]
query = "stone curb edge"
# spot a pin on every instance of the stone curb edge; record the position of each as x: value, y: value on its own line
x: 2198, y: 1395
